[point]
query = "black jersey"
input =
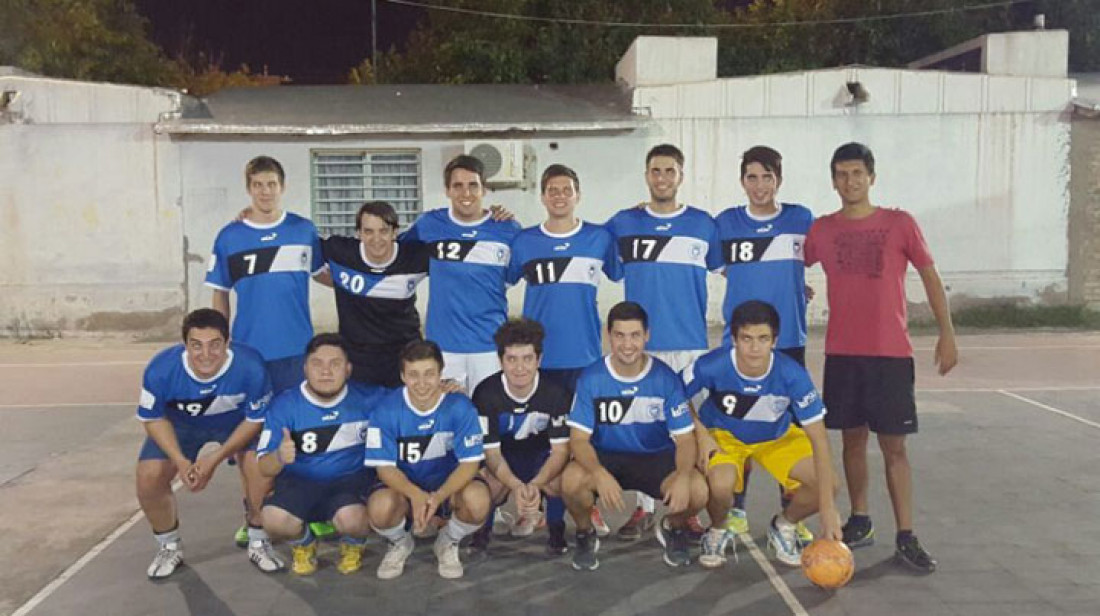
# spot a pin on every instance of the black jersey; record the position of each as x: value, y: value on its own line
x: 376, y: 305
x: 522, y: 426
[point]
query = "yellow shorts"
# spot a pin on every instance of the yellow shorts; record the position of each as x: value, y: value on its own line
x: 778, y: 457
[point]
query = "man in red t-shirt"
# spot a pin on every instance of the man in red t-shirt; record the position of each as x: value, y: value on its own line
x: 865, y: 250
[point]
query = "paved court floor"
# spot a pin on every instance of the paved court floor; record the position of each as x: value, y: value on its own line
x: 1004, y: 466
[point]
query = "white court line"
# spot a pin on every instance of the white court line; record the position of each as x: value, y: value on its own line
x: 1058, y: 347
x: 1050, y: 409
x: 53, y: 405
x: 76, y: 364
x: 83, y: 561
x: 997, y: 390
x: 773, y: 577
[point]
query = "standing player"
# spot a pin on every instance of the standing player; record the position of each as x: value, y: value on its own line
x: 754, y: 397
x: 865, y: 250
x: 204, y: 390
x: 427, y: 447
x: 632, y: 430
x: 523, y: 416
x: 312, y: 444
x: 469, y: 253
x: 665, y: 251
x: 375, y: 280
x: 759, y: 249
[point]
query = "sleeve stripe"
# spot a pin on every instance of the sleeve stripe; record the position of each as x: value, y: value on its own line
x: 473, y: 459
x: 379, y: 463
x: 260, y: 454
x: 812, y: 420
x: 682, y: 430
x: 491, y: 445
x: 573, y: 424
x: 215, y: 286
x: 146, y: 419
x: 558, y: 441
x: 258, y: 420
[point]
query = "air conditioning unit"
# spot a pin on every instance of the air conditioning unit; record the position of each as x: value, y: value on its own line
x: 503, y: 160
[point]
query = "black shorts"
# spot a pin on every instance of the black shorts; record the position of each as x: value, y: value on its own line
x: 377, y: 365
x: 876, y: 392
x: 796, y: 353
x: 525, y: 464
x: 642, y: 472
x: 318, y: 501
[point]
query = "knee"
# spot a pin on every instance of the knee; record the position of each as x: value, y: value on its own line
x: 855, y: 437
x: 351, y: 520
x: 473, y: 502
x: 153, y: 479
x: 385, y: 509
x: 280, y: 523
x: 700, y: 493
x: 893, y: 449
x: 574, y: 480
x: 722, y: 479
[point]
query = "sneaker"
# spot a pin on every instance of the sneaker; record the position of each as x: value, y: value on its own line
x: 241, y: 538
x: 675, y: 542
x: 526, y: 524
x: 640, y: 522
x: 393, y: 563
x: 305, y: 559
x: 555, y: 539
x: 714, y: 546
x: 601, y: 527
x: 323, y: 531
x: 502, y: 522
x: 695, y: 529
x: 263, y: 555
x: 584, y: 556
x: 351, y: 558
x: 479, y: 541
x: 446, y: 551
x: 858, y: 534
x: 169, y: 556
x: 737, y: 521
x: 805, y: 535
x: 784, y: 542
x: 911, y: 554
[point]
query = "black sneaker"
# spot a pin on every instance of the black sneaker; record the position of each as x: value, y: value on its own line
x: 555, y: 540
x: 675, y: 542
x: 479, y: 542
x: 911, y: 554
x: 584, y: 556
x: 858, y: 534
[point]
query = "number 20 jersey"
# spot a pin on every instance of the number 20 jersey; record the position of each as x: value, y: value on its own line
x: 638, y: 415
x: 269, y: 267
x: 328, y: 435
x: 425, y: 446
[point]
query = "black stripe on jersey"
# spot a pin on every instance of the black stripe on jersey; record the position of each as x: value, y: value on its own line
x: 412, y: 448
x: 642, y: 248
x: 732, y: 403
x: 314, y: 440
x: 545, y: 271
x: 195, y: 408
x: 611, y: 410
x: 744, y: 249
x: 452, y: 250
x: 251, y: 262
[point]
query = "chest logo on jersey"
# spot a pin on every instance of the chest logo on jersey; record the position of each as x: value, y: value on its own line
x: 664, y: 227
x: 630, y: 391
x: 331, y: 416
x: 268, y: 238
x: 561, y: 247
x: 765, y: 229
x: 427, y: 425
x: 208, y: 390
x: 752, y: 389
x: 470, y: 233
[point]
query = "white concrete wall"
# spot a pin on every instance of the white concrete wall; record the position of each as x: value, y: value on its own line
x: 43, y: 100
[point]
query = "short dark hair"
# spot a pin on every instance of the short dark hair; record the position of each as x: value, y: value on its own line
x: 381, y: 209
x: 205, y: 318
x: 754, y: 312
x: 418, y: 350
x: 518, y: 332
x: 263, y: 164
x: 559, y: 171
x: 764, y: 156
x: 465, y: 162
x: 852, y: 151
x: 665, y: 149
x: 627, y: 311
x: 327, y: 339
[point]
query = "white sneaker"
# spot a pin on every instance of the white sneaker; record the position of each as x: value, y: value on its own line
x: 263, y: 555
x: 450, y: 566
x: 526, y: 524
x: 393, y: 563
x: 784, y: 542
x: 169, y: 556
x: 502, y: 522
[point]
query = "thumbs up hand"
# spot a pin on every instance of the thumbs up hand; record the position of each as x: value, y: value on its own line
x: 287, y: 452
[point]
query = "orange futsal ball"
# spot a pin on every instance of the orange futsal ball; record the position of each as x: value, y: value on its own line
x: 828, y: 563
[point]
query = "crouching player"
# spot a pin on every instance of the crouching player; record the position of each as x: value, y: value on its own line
x: 754, y: 396
x: 632, y: 430
x: 312, y: 444
x: 427, y: 446
x: 523, y: 417
x: 204, y: 390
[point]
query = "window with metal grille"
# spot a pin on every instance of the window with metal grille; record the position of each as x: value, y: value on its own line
x: 344, y: 180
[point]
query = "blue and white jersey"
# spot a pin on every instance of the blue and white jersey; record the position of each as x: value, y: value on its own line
x: 665, y: 263
x: 328, y: 435
x: 269, y: 267
x: 754, y: 410
x: 631, y: 415
x: 239, y: 391
x: 426, y: 446
x: 469, y: 263
x: 562, y: 272
x: 762, y: 260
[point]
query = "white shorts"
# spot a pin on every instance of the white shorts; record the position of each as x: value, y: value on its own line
x: 469, y: 369
x: 678, y: 360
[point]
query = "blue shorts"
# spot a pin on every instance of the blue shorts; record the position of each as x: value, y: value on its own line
x: 286, y: 372
x: 311, y: 500
x: 190, y: 438
x: 525, y: 465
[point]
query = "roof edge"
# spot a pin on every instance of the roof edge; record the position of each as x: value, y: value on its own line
x: 195, y: 128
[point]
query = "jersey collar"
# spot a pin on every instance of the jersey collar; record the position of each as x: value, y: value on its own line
x: 623, y: 379
x: 381, y: 266
x: 412, y: 407
x: 325, y: 405
x: 475, y: 223
x: 220, y: 374
x: 733, y: 360
x: 575, y: 230
x: 683, y: 208
x: 515, y: 398
x: 777, y: 214
x: 270, y: 225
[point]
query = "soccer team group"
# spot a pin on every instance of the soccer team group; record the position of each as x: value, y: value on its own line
x: 378, y: 428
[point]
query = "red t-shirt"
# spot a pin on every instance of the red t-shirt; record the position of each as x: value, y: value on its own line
x: 865, y: 262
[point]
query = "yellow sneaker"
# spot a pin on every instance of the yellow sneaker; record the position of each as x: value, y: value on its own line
x: 805, y: 535
x: 351, y: 558
x: 305, y: 559
x: 737, y: 521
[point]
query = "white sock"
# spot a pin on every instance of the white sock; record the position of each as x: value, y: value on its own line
x: 456, y: 529
x: 393, y: 535
x: 256, y: 534
x: 781, y: 522
x: 646, y: 502
x: 172, y: 536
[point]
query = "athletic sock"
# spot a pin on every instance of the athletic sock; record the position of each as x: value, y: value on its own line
x: 305, y: 539
x: 646, y: 503
x: 456, y: 529
x: 393, y: 535
x: 903, y: 535
x: 168, y: 536
x: 256, y: 533
x: 739, y: 500
x: 859, y: 519
x: 356, y: 541
x: 781, y: 522
x: 555, y: 510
